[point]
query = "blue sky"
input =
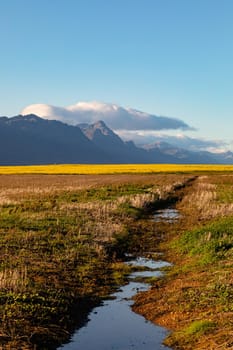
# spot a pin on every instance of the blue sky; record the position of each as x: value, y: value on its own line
x: 165, y: 57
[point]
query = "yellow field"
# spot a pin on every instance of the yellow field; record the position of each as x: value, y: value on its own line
x: 113, y: 168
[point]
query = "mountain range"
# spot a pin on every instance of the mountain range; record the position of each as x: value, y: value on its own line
x: 32, y: 140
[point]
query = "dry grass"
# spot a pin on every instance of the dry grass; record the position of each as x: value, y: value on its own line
x: 18, y: 188
x: 14, y: 280
x: 203, y: 200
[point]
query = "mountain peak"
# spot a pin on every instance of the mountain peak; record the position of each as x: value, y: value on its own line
x: 100, y: 124
x: 97, y: 130
x: 102, y: 127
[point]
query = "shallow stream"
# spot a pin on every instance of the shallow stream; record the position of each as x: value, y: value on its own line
x: 113, y: 325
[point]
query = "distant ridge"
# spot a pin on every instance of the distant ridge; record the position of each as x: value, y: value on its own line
x: 33, y: 140
x: 29, y: 140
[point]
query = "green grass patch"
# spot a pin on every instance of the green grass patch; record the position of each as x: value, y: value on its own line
x: 102, y: 193
x: 209, y: 243
x: 225, y: 193
x: 191, y: 333
x: 198, y: 328
x: 128, y: 210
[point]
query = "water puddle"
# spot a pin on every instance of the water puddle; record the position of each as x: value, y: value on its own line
x: 169, y: 215
x: 114, y: 326
x: 149, y: 263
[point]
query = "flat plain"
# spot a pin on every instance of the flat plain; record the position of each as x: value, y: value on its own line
x: 63, y: 239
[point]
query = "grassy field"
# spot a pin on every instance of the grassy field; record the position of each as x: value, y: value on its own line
x: 113, y: 168
x: 62, y: 238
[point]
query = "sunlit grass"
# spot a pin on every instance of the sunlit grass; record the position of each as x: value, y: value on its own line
x: 113, y: 168
x: 209, y: 243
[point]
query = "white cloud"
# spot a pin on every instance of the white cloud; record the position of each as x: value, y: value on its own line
x: 178, y: 140
x: 114, y: 116
x: 130, y: 124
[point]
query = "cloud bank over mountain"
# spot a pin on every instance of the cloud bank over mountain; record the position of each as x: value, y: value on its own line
x: 130, y: 124
x: 179, y: 140
x: 116, y: 117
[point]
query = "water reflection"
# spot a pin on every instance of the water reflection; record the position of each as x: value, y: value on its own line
x: 149, y: 263
x: 169, y: 215
x: 114, y: 325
